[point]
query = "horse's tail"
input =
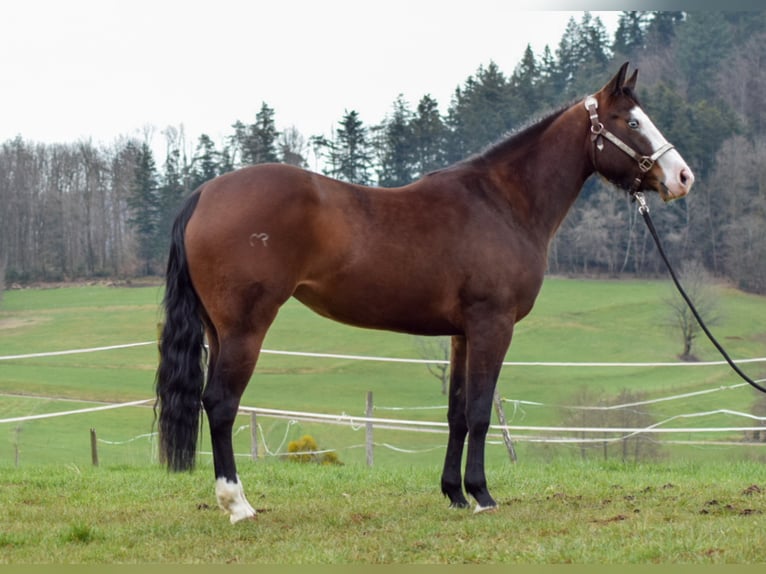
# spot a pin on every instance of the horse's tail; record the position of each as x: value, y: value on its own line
x: 180, y: 375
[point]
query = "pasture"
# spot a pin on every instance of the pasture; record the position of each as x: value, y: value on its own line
x: 583, y: 513
x: 555, y: 507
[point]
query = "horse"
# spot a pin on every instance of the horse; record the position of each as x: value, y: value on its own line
x: 461, y: 252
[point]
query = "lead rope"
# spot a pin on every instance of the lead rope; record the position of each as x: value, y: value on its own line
x: 643, y: 209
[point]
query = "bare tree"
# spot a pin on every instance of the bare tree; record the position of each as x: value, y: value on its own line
x: 698, y: 284
x: 592, y: 409
x: 742, y: 81
x: 437, y: 348
x: 293, y: 147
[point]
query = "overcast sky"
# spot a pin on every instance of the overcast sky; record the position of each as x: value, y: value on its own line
x: 99, y: 69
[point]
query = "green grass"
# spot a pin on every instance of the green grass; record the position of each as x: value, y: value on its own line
x: 688, y: 506
x: 549, y: 513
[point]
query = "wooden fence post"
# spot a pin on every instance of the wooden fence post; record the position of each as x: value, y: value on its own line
x: 501, y: 418
x: 16, y: 449
x: 368, y: 426
x: 160, y: 327
x: 253, y: 437
x: 93, y: 447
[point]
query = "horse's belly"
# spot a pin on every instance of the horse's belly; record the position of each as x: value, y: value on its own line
x: 369, y: 308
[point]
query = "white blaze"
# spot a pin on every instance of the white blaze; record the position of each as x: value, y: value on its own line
x: 676, y: 175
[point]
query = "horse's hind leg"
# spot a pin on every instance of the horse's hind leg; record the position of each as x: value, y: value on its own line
x: 232, y: 361
x: 458, y: 426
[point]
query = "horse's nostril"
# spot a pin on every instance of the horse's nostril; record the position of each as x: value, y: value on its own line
x: 686, y: 177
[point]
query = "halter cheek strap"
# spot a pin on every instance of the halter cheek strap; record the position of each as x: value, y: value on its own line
x: 598, y: 131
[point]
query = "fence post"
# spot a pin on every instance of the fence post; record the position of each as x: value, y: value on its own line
x: 253, y: 437
x: 16, y: 449
x: 93, y: 447
x: 160, y: 328
x: 368, y: 432
x: 501, y: 418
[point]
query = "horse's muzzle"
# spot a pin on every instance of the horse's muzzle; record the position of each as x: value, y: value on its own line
x: 677, y: 186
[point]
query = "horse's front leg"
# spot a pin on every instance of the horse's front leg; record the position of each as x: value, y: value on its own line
x: 485, y: 357
x: 452, y: 486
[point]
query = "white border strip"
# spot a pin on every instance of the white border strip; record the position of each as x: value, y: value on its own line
x: 77, y: 412
x: 507, y: 363
x: 433, y: 426
x: 358, y: 420
x: 397, y: 359
x: 76, y: 351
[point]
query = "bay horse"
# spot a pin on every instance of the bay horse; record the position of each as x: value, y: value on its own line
x: 460, y: 252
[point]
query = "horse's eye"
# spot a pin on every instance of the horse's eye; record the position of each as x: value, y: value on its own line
x: 633, y: 124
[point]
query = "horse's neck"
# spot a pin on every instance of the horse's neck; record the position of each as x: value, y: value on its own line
x: 543, y: 178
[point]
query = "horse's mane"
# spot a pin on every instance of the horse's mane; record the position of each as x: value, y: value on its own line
x: 520, y: 137
x: 526, y: 133
x: 532, y: 129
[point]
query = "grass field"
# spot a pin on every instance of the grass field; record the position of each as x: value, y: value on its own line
x: 555, y: 507
x: 583, y: 513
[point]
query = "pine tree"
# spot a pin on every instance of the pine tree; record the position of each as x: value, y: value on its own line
x: 661, y: 30
x: 349, y: 153
x: 395, y: 147
x: 480, y: 112
x: 206, y: 162
x: 144, y: 203
x: 569, y: 55
x: 583, y: 56
x: 428, y: 133
x: 596, y: 41
x: 170, y: 195
x: 257, y: 143
x: 525, y: 82
x: 630, y: 36
x: 550, y: 90
x: 704, y: 42
x: 264, y: 137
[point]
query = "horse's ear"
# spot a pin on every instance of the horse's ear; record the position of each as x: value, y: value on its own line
x: 615, y: 84
x: 631, y: 82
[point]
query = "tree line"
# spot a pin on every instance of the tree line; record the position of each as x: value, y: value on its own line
x: 79, y: 211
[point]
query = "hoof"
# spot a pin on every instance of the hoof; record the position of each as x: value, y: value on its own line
x: 244, y: 517
x: 231, y: 499
x: 459, y: 505
x: 479, y: 508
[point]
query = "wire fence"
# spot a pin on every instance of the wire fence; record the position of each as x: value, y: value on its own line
x: 748, y: 430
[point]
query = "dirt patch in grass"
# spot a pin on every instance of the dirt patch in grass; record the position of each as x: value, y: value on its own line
x: 20, y: 322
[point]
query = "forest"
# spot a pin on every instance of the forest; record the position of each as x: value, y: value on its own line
x: 76, y: 211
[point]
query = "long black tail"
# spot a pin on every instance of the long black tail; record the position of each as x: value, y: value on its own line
x: 180, y: 375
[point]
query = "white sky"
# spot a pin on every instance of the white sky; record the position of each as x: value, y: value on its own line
x: 100, y: 69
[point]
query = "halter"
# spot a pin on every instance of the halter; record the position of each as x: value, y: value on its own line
x: 597, y: 130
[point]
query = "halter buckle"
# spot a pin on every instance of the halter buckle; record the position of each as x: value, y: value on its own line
x: 645, y: 164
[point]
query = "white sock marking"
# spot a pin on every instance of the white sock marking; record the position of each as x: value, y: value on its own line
x: 231, y: 498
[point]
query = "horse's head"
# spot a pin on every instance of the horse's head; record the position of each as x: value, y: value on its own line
x: 627, y: 148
